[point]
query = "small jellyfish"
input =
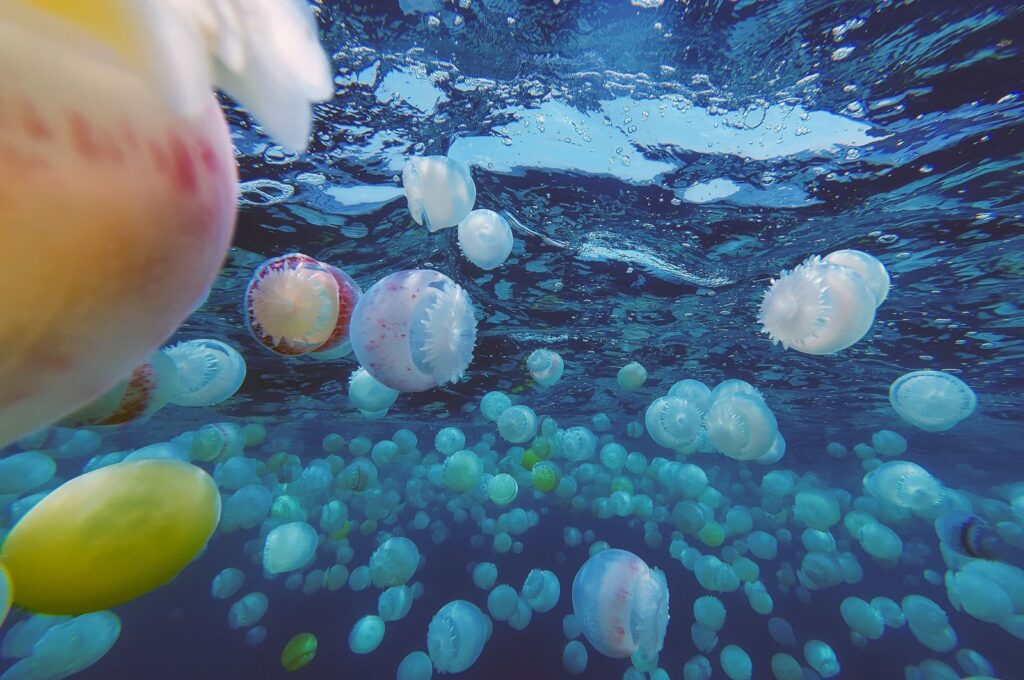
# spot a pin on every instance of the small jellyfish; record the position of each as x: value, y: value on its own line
x: 817, y: 308
x: 517, y: 424
x: 415, y: 666
x: 298, y: 652
x: 448, y: 440
x: 904, y: 484
x: 440, y: 191
x: 367, y: 394
x: 485, y: 238
x: 673, y: 422
x: 621, y: 604
x: 821, y: 658
x: 23, y: 472
x: 545, y: 366
x: 545, y: 476
x: 741, y: 426
x: 736, y: 663
x: 247, y: 611
x: 502, y: 489
x: 226, y: 583
x: 394, y: 603
x: 295, y: 304
x: 888, y: 443
x: 289, y: 547
x: 208, y: 372
x: 928, y: 623
x: 359, y: 475
x: 574, y: 657
x: 72, y: 646
x: 862, y: 618
x: 414, y: 330
x: 869, y: 267
x: 578, y: 444
x: 969, y: 535
x: 631, y: 377
x: 493, y: 405
x: 394, y: 562
x: 456, y: 636
x: 462, y: 470
x: 366, y: 635
x: 502, y: 602
x: 484, y: 575
x: 932, y: 400
x: 541, y: 590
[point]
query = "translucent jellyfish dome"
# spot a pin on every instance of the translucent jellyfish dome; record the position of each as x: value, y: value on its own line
x: 932, y: 400
x: 541, y: 590
x: 694, y: 391
x: 485, y: 238
x: 904, y: 484
x: 295, y: 304
x: 545, y: 366
x: 440, y: 191
x: 631, y: 377
x: 366, y: 393
x: 817, y: 308
x: 517, y: 424
x: 208, y: 372
x: 289, y: 547
x: 741, y: 426
x: 867, y: 266
x: 621, y: 604
x: 493, y: 405
x: 456, y: 636
x: 394, y: 562
x: 673, y: 422
x: 414, y: 330
x: 144, y: 392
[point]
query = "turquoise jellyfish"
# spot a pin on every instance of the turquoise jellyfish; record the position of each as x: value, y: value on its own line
x: 693, y: 391
x: 932, y: 400
x: 545, y: 366
x: 631, y: 377
x: 674, y: 422
x: 485, y: 238
x: 414, y: 330
x: 394, y: 562
x: 456, y: 636
x: 208, y: 371
x: 440, y: 191
x: 904, y: 484
x: 517, y: 424
x: 823, y: 306
x: 366, y: 393
x: 621, y: 604
x: 741, y: 427
x: 295, y: 304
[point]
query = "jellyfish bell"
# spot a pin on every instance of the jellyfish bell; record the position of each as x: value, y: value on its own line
x: 933, y: 401
x: 485, y: 238
x: 117, y: 100
x: 144, y: 392
x: 904, y: 484
x: 440, y: 191
x: 208, y: 372
x: 867, y: 266
x: 366, y: 393
x: 414, y: 330
x: 545, y: 366
x: 673, y: 422
x: 741, y: 427
x: 969, y: 535
x: 456, y: 636
x: 817, y: 308
x: 694, y: 391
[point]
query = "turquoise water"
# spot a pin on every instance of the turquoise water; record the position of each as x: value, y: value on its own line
x: 659, y: 167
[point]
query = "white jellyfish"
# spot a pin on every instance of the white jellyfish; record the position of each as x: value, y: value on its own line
x: 485, y: 238
x: 541, y: 590
x: 545, y: 366
x: 394, y: 562
x: 208, y: 372
x: 366, y: 635
x: 493, y: 405
x: 456, y: 636
x: 821, y: 658
x: 818, y: 307
x: 904, y: 484
x: 674, y: 422
x: 288, y: 547
x: 741, y: 426
x: 366, y: 393
x: 517, y: 424
x: 736, y: 663
x: 932, y: 400
x: 440, y: 191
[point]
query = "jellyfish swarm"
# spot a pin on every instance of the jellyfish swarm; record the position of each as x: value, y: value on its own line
x: 414, y: 330
x: 440, y: 191
x: 621, y: 604
x: 147, y: 180
x: 825, y: 304
x: 485, y: 239
x: 456, y: 636
x: 207, y: 372
x: 932, y: 400
x: 295, y: 304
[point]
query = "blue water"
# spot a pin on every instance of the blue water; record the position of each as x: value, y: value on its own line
x: 660, y: 166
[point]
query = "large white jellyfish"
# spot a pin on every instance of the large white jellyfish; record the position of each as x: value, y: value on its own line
x: 904, y: 484
x: 932, y: 400
x: 456, y: 636
x: 869, y: 267
x: 414, y: 330
x: 673, y: 422
x: 485, y: 238
x: 208, y: 371
x: 440, y: 191
x: 741, y: 426
x: 621, y: 604
x: 821, y: 306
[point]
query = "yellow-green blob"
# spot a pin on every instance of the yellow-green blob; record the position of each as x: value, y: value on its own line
x: 622, y: 484
x: 6, y: 593
x: 342, y: 533
x: 299, y: 651
x: 544, y: 476
x: 110, y: 535
x: 529, y: 459
x: 712, y: 534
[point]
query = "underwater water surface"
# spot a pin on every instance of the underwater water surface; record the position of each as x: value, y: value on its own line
x: 661, y: 166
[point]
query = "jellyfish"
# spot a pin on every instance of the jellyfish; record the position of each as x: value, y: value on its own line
x: 462, y: 470
x: 485, y: 238
x: 366, y: 635
x: 631, y: 377
x: 456, y: 636
x: 484, y: 575
x: 298, y: 652
x: 621, y: 604
x: 247, y: 507
x: 247, y: 611
x: 493, y: 405
x: 144, y: 392
x: 415, y: 666
x: 541, y: 590
x: 72, y: 646
x: 502, y: 602
x: 545, y: 476
x: 574, y: 657
x: 394, y: 562
x: 694, y: 391
x: 867, y: 266
x: 394, y: 603
x: 735, y: 663
x: 928, y: 623
x: 295, y: 304
x: 502, y: 489
x: 367, y: 394
x: 969, y: 535
x: 578, y: 444
x: 226, y: 583
x: 208, y: 372
x: 932, y: 400
x: 821, y: 658
x: 66, y: 556
x: 775, y: 453
x: 741, y: 426
x: 709, y: 612
x: 289, y: 547
x: 23, y: 472
x: 545, y: 366
x: 862, y: 618
x: 673, y: 422
x: 144, y: 157
x: 414, y: 330
x: 817, y: 308
x: 448, y: 440
x: 517, y: 424
x: 904, y: 484
x: 888, y: 443
x: 359, y: 475
x: 440, y: 191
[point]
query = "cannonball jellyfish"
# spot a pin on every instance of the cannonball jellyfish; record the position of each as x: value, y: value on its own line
x: 673, y: 422
x: 485, y: 238
x: 631, y: 377
x: 621, y: 604
x: 366, y: 393
x: 414, y: 330
x: 517, y: 424
x: 932, y: 400
x: 394, y: 562
x: 817, y: 308
x: 208, y: 372
x: 545, y: 366
x: 289, y: 547
x: 366, y: 635
x: 440, y: 191
x: 741, y: 427
x: 868, y: 266
x: 456, y: 636
x: 110, y: 535
x: 299, y: 651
